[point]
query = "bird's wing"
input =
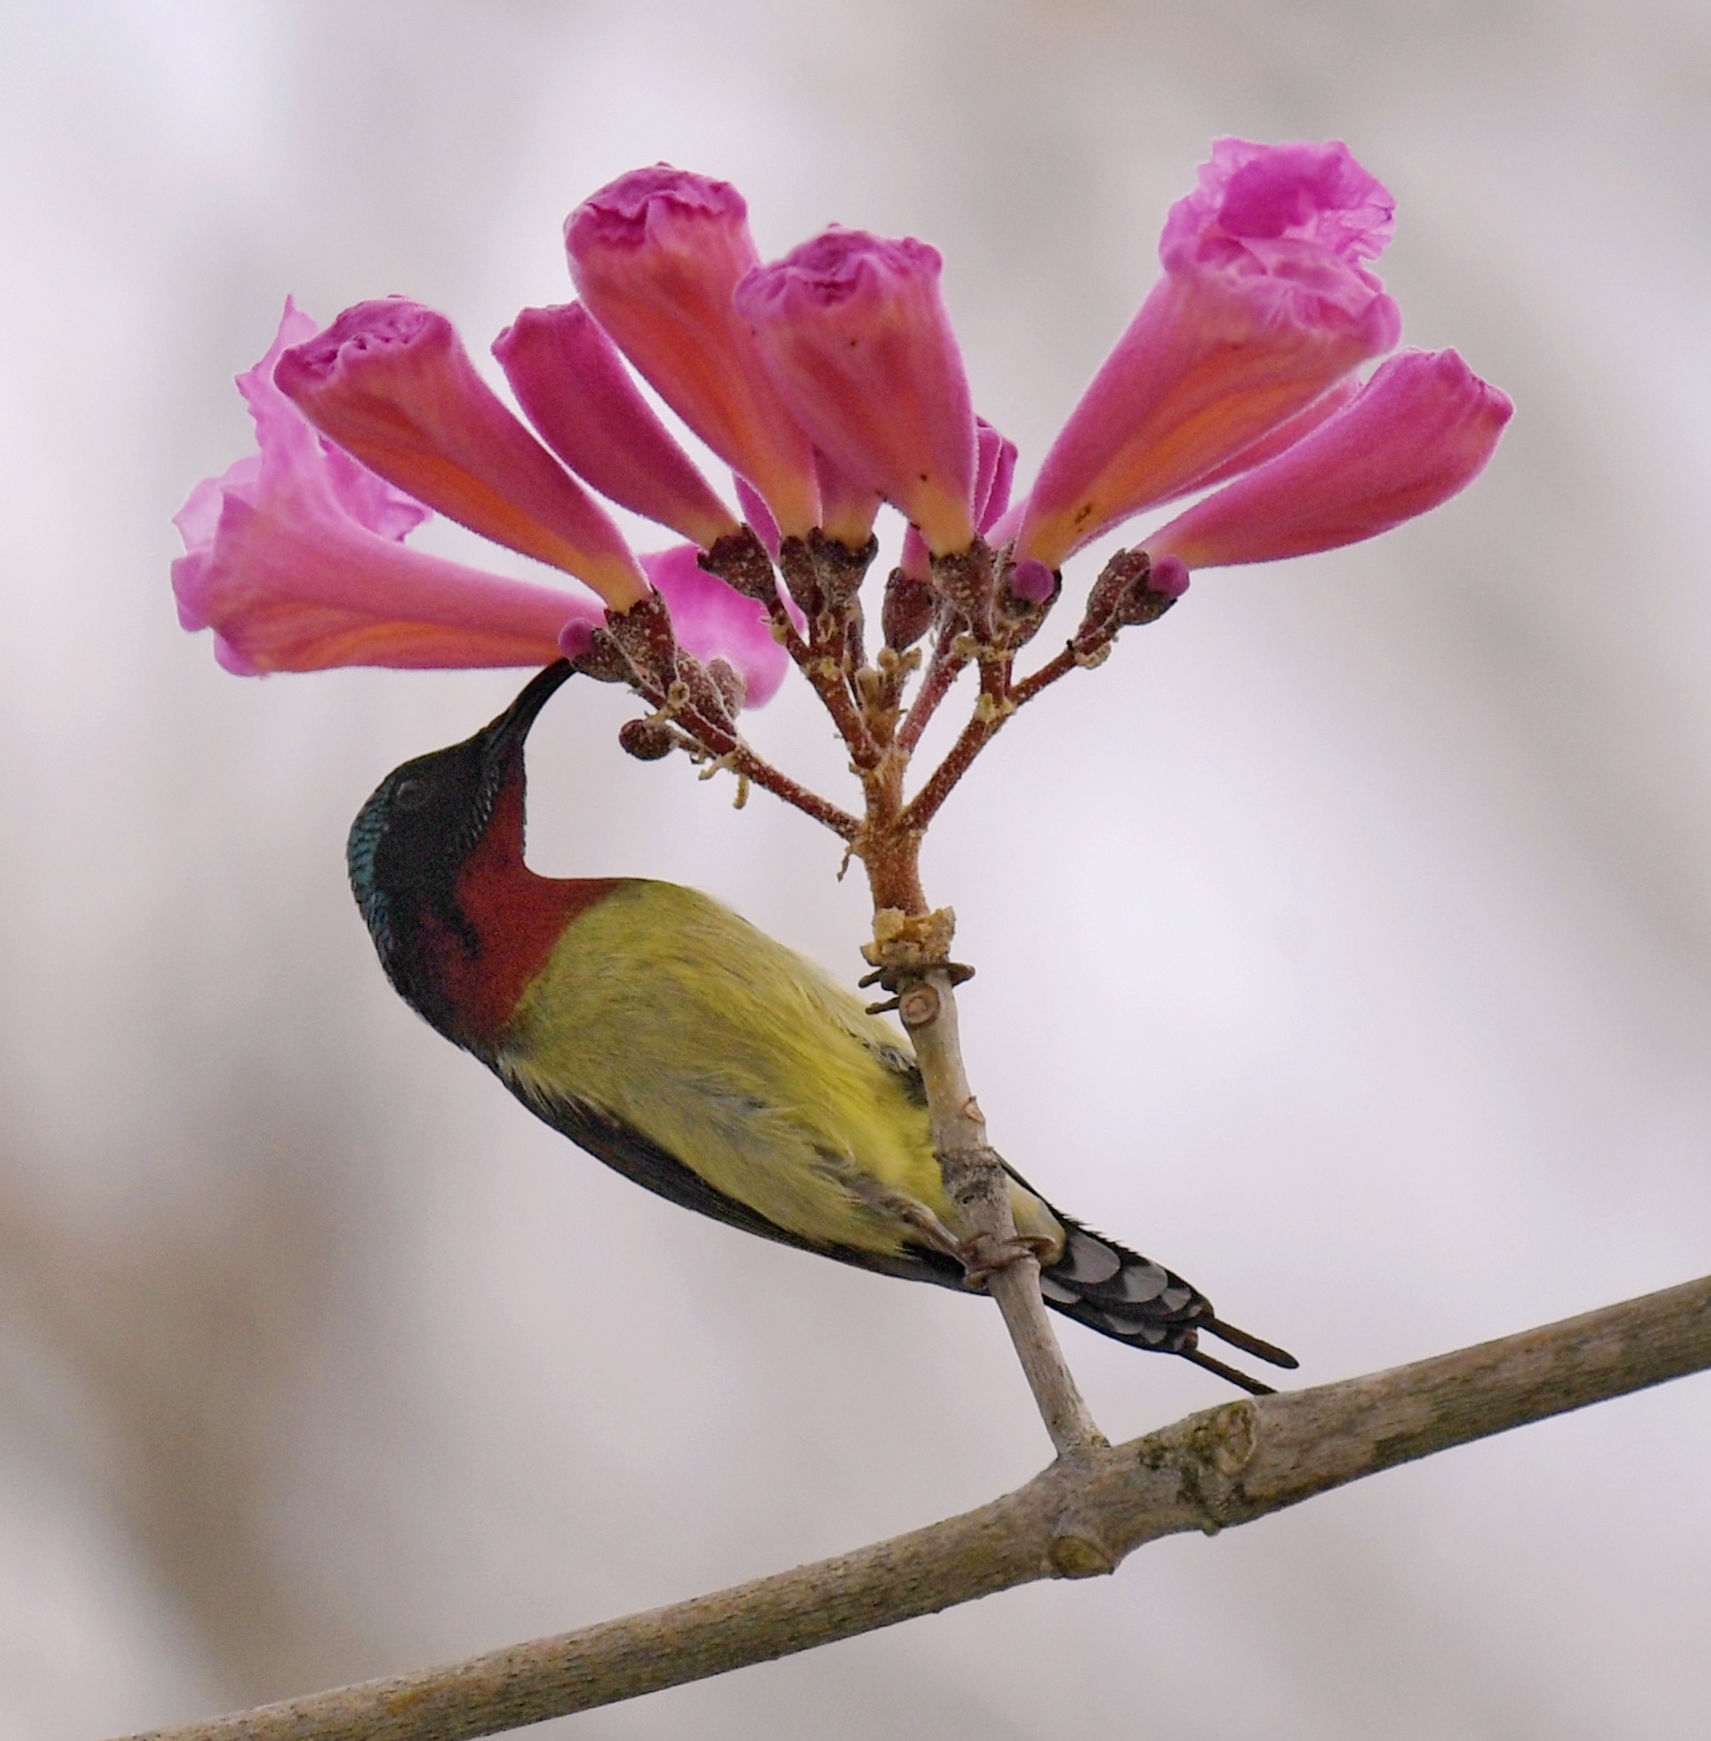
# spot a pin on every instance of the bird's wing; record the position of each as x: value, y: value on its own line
x: 1096, y: 1281
x: 624, y: 1149
x: 900, y: 1064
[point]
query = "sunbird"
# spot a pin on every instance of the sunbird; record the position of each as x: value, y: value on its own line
x: 694, y: 1054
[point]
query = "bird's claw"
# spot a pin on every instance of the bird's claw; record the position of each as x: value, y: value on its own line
x: 896, y: 979
x: 983, y: 1254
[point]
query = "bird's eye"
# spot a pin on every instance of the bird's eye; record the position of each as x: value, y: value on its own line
x: 411, y: 794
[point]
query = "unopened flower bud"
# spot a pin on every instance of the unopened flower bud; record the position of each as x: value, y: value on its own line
x: 646, y: 739
x: 1131, y: 590
x: 1032, y: 581
x: 728, y: 680
x: 1106, y: 594
x: 1152, y: 590
x: 909, y: 609
x: 1023, y: 609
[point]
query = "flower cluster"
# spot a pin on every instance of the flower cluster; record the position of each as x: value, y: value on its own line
x: 830, y: 383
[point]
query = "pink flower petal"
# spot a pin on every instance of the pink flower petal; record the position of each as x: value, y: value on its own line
x: 287, y: 591
x: 994, y: 473
x: 916, y: 560
x: 713, y: 621
x: 1275, y: 440
x: 573, y: 387
x: 1420, y: 430
x: 855, y: 333
x: 1264, y: 306
x: 390, y: 383
x: 757, y: 514
x: 292, y: 558
x: 655, y: 257
x: 847, y: 508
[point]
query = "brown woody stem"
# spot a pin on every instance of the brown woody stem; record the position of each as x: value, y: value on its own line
x: 978, y: 1185
x: 1079, y: 1518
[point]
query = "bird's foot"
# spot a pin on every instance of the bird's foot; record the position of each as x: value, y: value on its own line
x: 982, y: 1255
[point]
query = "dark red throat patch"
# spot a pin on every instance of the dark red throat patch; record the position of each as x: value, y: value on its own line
x: 517, y: 917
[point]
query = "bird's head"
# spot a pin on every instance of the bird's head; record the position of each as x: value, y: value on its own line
x: 414, y: 840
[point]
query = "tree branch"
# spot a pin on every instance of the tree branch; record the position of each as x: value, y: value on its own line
x: 1078, y: 1518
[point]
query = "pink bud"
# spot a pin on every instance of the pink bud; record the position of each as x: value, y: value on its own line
x: 655, y: 257
x: 573, y: 386
x: 857, y: 338
x: 1265, y: 305
x: 1168, y: 575
x: 389, y: 382
x: 1030, y: 579
x: 1420, y: 430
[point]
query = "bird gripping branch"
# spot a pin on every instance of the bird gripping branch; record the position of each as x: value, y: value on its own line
x: 692, y: 1053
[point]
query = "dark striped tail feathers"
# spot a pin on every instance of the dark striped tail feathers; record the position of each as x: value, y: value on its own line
x: 1132, y: 1299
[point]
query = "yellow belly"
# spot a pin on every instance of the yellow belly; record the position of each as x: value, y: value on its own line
x: 737, y: 1056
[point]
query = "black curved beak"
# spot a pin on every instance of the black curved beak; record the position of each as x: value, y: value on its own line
x: 504, y: 738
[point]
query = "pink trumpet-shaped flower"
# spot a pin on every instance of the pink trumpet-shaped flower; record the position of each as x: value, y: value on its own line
x: 655, y: 257
x: 390, y: 383
x: 994, y: 470
x: 856, y: 335
x: 1420, y: 430
x: 1265, y: 304
x: 573, y: 387
x: 711, y: 620
x: 293, y: 558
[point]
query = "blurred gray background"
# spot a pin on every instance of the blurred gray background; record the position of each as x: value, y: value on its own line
x: 1344, y: 942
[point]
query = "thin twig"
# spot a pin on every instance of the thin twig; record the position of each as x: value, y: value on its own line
x: 744, y: 761
x: 725, y: 746
x: 943, y: 669
x: 1080, y: 1517
x: 1059, y: 665
x: 991, y: 710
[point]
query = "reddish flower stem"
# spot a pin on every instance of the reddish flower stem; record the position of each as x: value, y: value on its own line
x: 994, y: 706
x: 942, y: 671
x: 1057, y: 666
